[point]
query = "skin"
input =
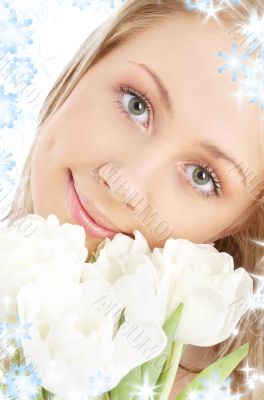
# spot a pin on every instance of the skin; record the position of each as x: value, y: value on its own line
x: 90, y: 129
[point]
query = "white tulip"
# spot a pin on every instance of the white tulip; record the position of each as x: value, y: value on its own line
x: 151, y: 284
x: 75, y: 348
x: 33, y: 246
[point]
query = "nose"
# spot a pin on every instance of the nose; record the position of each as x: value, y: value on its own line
x: 119, y: 185
x: 109, y: 185
x: 141, y: 172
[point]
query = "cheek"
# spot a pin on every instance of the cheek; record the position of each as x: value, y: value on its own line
x: 44, y: 156
x: 86, y: 129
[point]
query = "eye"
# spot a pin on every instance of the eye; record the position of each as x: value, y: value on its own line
x: 134, y: 105
x: 204, y: 180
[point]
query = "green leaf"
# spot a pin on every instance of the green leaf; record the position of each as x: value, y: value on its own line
x: 46, y: 395
x: 126, y: 389
x: 92, y: 259
x: 95, y: 254
x: 39, y: 395
x: 122, y: 318
x: 151, y: 370
x: 224, y: 367
x: 120, y: 322
x: 167, y: 377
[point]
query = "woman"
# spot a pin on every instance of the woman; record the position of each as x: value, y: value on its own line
x: 141, y: 100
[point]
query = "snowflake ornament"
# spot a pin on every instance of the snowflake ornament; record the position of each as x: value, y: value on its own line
x: 98, y: 383
x: 209, y: 7
x: 14, y: 34
x: 9, y: 112
x: 11, y: 335
x: 82, y: 4
x: 234, y: 61
x: 213, y: 390
x: 22, y: 382
x: 8, y: 349
x: 21, y: 71
x: 15, y: 331
x: 6, y: 165
x: 200, y: 5
x: 252, y: 82
x: 230, y: 3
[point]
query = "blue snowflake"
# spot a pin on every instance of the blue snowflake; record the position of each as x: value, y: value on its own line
x: 197, y: 4
x: 11, y: 336
x: 257, y: 95
x: 81, y: 3
x: 84, y: 3
x: 6, y: 192
x: 9, y: 112
x: 214, y: 391
x: 21, y: 71
x: 22, y: 382
x: 235, y: 2
x: 14, y: 34
x: 113, y: 4
x: 17, y: 331
x: 99, y: 383
x: 234, y: 61
x: 254, y: 82
x: 6, y: 163
x: 204, y: 5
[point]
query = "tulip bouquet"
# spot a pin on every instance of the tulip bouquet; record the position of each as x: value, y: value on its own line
x: 114, y: 327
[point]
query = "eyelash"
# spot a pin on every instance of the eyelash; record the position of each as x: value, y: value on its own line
x: 218, y: 186
x: 122, y: 89
x: 142, y: 97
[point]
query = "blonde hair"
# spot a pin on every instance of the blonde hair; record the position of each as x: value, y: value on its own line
x: 130, y: 19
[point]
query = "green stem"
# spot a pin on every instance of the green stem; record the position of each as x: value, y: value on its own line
x: 105, y: 396
x: 166, y: 379
x: 39, y: 395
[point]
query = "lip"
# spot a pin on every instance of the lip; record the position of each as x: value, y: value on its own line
x: 87, y: 215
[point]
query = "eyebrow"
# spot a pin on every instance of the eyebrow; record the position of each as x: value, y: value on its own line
x: 216, y: 152
x: 164, y: 95
x: 209, y: 147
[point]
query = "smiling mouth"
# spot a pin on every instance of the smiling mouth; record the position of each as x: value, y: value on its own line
x: 86, y: 215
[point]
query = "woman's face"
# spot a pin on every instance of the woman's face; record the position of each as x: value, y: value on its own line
x: 153, y: 154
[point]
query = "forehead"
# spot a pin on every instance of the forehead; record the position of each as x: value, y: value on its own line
x: 182, y: 50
